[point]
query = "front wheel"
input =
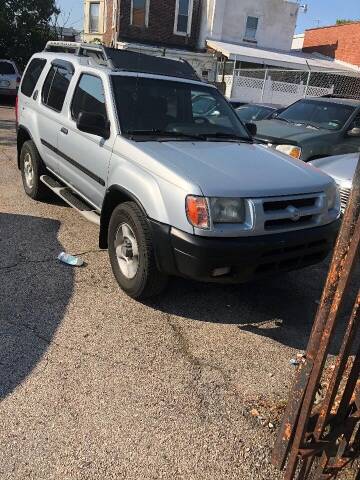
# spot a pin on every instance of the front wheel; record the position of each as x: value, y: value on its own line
x: 131, y: 253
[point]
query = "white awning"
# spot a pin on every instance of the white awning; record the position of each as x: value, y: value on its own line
x: 277, y: 58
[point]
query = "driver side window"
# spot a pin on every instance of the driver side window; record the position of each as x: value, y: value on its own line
x: 356, y: 122
x: 89, y: 96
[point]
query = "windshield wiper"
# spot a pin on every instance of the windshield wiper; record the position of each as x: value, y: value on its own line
x: 227, y: 136
x: 162, y: 133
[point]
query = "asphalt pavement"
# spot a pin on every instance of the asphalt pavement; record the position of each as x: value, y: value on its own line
x: 94, y: 385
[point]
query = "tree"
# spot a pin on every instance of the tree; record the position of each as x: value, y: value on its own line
x: 344, y: 21
x: 25, y: 27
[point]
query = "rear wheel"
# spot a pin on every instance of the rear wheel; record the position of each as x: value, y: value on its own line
x: 31, y: 167
x: 131, y: 253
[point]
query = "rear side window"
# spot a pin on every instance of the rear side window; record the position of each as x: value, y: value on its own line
x: 89, y: 96
x: 55, y: 87
x: 32, y: 75
x: 7, y: 68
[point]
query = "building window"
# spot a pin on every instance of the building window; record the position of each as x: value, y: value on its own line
x: 140, y: 13
x: 94, y: 11
x: 183, y: 15
x: 251, y: 28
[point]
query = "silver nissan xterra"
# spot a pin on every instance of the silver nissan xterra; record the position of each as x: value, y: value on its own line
x: 139, y: 145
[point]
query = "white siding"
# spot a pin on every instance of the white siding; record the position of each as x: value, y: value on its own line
x: 225, y: 20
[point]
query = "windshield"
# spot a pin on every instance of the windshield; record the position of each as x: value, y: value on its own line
x: 6, y: 68
x: 331, y: 116
x: 247, y: 113
x: 158, y: 108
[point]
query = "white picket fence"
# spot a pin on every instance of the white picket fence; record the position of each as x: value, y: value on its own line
x: 286, y: 86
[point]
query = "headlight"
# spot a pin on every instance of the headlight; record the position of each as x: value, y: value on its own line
x: 291, y: 150
x: 333, y: 197
x: 227, y: 210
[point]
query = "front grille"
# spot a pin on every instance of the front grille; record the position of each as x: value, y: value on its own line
x: 344, y: 197
x: 292, y: 213
x: 283, y: 204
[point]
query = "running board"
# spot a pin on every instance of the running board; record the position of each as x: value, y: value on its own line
x: 71, y: 199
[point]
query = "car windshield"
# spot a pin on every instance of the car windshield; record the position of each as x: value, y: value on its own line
x: 247, y: 113
x: 173, y: 109
x: 6, y: 68
x: 320, y: 114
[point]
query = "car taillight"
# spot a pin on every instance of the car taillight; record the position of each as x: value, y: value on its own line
x: 17, y: 109
x: 197, y: 211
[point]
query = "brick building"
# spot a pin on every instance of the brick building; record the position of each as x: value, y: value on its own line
x: 158, y: 27
x: 340, y: 42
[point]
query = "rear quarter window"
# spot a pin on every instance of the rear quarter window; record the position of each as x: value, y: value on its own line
x: 32, y: 75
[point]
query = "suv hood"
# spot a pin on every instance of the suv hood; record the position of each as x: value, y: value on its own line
x: 340, y: 167
x: 277, y: 131
x: 234, y: 169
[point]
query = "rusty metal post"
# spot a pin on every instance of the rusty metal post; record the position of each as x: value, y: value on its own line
x: 296, y: 438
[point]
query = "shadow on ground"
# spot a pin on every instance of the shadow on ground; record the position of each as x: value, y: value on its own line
x: 281, y: 308
x: 35, y: 290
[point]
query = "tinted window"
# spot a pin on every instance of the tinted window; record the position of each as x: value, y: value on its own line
x: 89, y: 96
x: 55, y: 87
x: 6, y: 68
x: 253, y: 112
x: 32, y: 75
x: 328, y: 115
x: 151, y: 105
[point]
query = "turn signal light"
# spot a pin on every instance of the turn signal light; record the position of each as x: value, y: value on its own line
x: 197, y: 211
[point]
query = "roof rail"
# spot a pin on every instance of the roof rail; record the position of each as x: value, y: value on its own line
x: 345, y: 97
x: 126, y: 60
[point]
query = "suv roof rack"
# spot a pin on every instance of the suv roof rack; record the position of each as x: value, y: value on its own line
x: 125, y: 60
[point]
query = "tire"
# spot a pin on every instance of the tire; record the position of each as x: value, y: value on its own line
x: 131, y: 253
x: 32, y: 167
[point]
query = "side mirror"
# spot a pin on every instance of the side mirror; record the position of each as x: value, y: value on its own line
x: 252, y: 128
x: 354, y: 132
x: 94, y: 123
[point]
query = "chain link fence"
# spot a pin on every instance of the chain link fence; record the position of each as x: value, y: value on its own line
x: 286, y: 86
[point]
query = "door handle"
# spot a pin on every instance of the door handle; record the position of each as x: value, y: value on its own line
x: 64, y: 130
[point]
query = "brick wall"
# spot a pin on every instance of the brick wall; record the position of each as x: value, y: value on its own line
x: 341, y: 42
x: 160, y: 30
x: 108, y: 35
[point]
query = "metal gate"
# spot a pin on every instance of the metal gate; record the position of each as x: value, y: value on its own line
x: 320, y: 432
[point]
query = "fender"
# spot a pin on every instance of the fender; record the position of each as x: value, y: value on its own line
x: 21, y: 138
x: 113, y: 196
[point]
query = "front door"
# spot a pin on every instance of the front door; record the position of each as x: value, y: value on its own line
x: 86, y: 157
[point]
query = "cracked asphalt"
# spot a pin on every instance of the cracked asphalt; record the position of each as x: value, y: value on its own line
x: 94, y: 385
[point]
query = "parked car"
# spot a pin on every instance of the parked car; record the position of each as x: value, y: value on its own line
x: 174, y: 193
x: 9, y: 78
x: 342, y: 169
x: 314, y: 128
x: 251, y: 112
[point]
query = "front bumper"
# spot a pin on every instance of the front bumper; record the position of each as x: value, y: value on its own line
x: 183, y: 254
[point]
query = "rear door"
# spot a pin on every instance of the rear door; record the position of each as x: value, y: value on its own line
x: 50, y: 104
x: 86, y: 157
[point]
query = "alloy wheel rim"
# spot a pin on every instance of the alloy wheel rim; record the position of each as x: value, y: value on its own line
x: 127, y: 251
x: 28, y: 170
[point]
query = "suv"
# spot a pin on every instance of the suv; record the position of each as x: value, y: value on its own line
x: 114, y: 133
x: 9, y: 78
x: 314, y: 127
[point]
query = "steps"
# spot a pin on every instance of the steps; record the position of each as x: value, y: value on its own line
x: 86, y: 210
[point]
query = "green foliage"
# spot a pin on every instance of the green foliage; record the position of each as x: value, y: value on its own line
x: 25, y: 27
x: 344, y: 21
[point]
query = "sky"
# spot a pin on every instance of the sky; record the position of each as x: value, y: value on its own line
x: 320, y: 12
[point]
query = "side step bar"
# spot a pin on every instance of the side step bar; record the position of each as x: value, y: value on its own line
x: 71, y: 199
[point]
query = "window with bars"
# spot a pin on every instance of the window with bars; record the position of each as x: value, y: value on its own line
x: 94, y: 12
x: 251, y: 28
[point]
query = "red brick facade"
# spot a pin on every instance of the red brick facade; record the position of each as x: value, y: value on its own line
x: 341, y: 42
x: 160, y: 29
